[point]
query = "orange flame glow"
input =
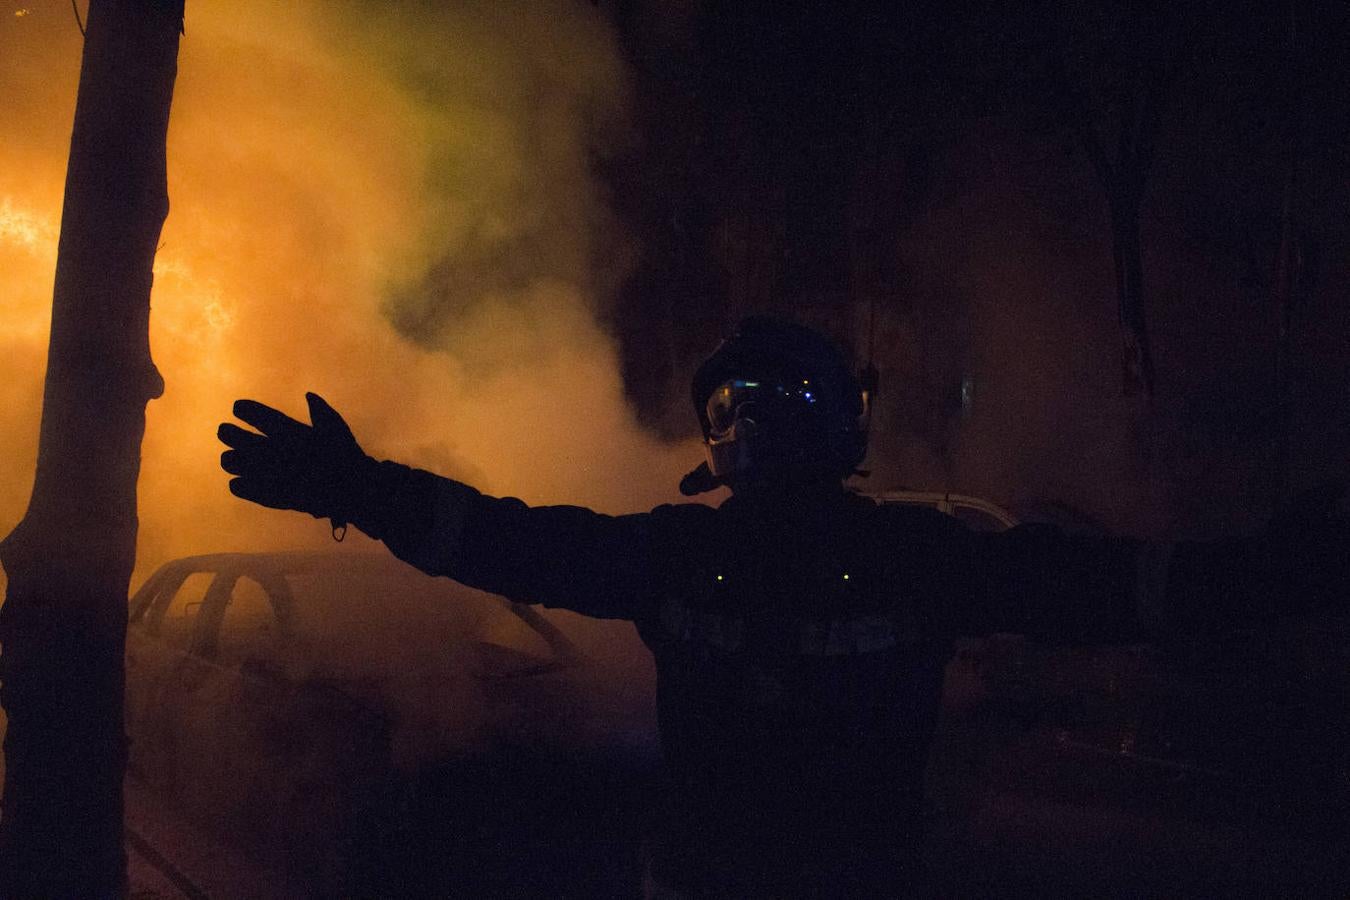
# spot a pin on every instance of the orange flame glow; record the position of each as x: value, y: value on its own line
x: 299, y: 159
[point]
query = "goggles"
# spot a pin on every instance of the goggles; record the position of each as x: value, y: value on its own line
x: 742, y: 398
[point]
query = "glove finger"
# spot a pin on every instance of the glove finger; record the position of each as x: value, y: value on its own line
x: 272, y: 494
x: 260, y: 462
x: 232, y: 435
x: 273, y: 460
x: 325, y: 418
x: 230, y: 462
x: 266, y: 419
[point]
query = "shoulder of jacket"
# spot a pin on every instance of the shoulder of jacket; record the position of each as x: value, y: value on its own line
x: 678, y: 514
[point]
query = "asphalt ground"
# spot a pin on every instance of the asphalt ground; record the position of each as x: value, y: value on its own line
x: 170, y: 857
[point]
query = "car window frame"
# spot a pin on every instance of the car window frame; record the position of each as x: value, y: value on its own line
x: 984, y: 510
x: 152, y: 600
x: 274, y: 588
x: 149, y: 610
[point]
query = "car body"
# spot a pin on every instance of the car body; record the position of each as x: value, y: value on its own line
x: 353, y: 721
x: 345, y: 716
x: 1206, y: 765
x: 975, y: 513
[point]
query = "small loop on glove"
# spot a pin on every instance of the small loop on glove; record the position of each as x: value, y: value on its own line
x: 339, y: 530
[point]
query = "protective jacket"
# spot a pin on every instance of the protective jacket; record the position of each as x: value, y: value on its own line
x: 800, y: 646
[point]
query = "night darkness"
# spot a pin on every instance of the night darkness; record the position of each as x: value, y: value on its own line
x: 1098, y: 253
x: 925, y: 164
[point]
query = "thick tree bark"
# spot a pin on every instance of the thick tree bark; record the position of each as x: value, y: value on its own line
x: 69, y: 562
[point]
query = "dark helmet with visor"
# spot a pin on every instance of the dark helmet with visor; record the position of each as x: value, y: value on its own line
x: 777, y: 395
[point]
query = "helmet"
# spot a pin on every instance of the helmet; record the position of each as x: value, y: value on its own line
x: 776, y: 394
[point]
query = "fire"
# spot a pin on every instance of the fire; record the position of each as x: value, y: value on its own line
x: 299, y: 164
x: 26, y: 229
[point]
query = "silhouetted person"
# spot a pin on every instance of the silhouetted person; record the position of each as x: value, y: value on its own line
x: 800, y: 630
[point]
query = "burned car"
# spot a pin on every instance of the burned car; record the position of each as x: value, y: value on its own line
x: 975, y: 513
x: 366, y: 728
x: 1210, y: 764
x: 377, y: 731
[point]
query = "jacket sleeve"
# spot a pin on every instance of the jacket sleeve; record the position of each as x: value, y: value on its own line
x: 1037, y: 580
x: 1051, y: 586
x: 563, y: 556
x: 1292, y: 567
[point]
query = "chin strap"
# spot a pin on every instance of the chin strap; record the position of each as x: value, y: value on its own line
x: 339, y: 529
x: 699, y: 481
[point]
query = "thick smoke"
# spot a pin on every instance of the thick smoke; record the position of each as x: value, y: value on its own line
x: 392, y: 205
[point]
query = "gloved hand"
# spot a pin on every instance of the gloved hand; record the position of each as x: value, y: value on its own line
x: 317, y: 468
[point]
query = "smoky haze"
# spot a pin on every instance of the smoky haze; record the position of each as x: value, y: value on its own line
x: 391, y: 206
x: 401, y: 209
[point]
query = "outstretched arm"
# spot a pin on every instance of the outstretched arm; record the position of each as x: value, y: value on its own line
x: 1298, y: 564
x: 563, y: 556
x: 1036, y: 580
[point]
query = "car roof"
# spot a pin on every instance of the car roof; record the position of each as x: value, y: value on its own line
x: 284, y: 562
x: 937, y: 499
x: 358, y: 570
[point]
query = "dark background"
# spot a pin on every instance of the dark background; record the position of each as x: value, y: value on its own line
x: 917, y: 173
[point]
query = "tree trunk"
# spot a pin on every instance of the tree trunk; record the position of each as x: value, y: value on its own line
x: 1136, y: 357
x: 69, y: 562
